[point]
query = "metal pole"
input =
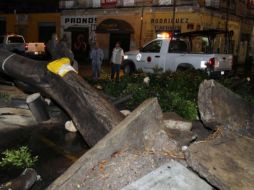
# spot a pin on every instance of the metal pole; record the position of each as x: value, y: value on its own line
x: 141, y: 25
x: 174, y: 15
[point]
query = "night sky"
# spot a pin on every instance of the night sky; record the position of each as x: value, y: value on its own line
x: 26, y: 6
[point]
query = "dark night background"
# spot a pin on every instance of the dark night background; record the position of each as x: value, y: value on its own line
x: 31, y: 6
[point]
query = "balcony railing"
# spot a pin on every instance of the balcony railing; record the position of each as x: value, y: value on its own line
x: 68, y: 4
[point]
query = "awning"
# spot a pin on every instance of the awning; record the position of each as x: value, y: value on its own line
x: 114, y: 25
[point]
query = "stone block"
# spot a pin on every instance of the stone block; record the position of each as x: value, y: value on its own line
x: 172, y: 175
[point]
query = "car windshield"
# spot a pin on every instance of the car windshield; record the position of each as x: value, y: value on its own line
x: 15, y: 39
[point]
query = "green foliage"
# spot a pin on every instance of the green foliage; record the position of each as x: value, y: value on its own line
x: 175, y: 91
x: 20, y: 158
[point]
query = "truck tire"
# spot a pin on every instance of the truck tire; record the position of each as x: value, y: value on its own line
x: 184, y: 67
x: 128, y: 68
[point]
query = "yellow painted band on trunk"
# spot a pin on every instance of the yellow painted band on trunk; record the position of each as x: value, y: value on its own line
x: 60, y: 66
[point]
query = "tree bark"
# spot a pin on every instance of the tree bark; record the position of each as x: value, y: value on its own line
x: 92, y: 114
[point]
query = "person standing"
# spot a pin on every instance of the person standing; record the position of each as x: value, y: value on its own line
x: 116, y: 61
x: 52, y: 46
x: 96, y: 57
x: 65, y: 51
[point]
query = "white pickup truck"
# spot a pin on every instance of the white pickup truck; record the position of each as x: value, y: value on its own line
x: 14, y: 43
x: 35, y: 48
x: 169, y: 54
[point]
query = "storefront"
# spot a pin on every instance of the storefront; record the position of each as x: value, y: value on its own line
x: 135, y: 26
x: 80, y: 33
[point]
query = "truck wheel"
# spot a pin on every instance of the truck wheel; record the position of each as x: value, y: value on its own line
x: 184, y: 68
x: 127, y: 70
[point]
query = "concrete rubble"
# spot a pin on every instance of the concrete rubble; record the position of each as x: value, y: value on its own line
x: 152, y: 150
x: 172, y: 175
x: 220, y: 107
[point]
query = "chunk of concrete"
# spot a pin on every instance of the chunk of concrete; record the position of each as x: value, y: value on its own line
x: 16, y: 116
x: 226, y: 162
x: 173, y: 121
x: 219, y: 105
x: 138, y: 136
x: 172, y: 175
x: 23, y: 182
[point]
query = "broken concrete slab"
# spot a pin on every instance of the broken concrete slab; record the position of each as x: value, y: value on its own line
x: 173, y: 121
x: 139, y: 132
x: 24, y: 182
x: 182, y: 138
x: 226, y: 161
x: 17, y: 116
x: 172, y: 175
x: 219, y: 105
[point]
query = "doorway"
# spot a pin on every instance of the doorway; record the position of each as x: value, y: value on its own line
x: 80, y: 43
x: 46, y: 30
x: 123, y: 38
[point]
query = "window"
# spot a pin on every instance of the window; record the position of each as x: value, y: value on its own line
x: 177, y: 46
x: 153, y: 47
x: 15, y: 39
x: 251, y: 4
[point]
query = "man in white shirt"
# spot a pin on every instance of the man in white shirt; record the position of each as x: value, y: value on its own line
x: 116, y: 61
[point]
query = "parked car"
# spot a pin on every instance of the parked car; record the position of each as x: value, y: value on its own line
x: 172, y: 54
x: 14, y: 43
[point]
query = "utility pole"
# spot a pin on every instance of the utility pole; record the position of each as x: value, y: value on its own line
x: 141, y: 24
x: 174, y: 15
x: 226, y: 28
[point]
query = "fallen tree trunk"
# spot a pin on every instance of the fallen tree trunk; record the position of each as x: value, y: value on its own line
x: 92, y: 114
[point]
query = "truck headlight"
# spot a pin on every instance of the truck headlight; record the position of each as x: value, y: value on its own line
x: 125, y: 57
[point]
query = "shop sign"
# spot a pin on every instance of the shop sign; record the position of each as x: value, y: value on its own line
x: 165, y: 2
x: 108, y: 3
x: 169, y: 20
x: 78, y: 20
x: 96, y: 3
x: 127, y: 3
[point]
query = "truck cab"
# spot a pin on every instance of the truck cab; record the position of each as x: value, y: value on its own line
x: 13, y: 42
x: 172, y: 54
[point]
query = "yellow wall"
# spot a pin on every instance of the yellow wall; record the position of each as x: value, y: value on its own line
x: 31, y: 25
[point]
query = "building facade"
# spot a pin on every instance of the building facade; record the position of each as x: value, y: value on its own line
x: 135, y: 22
x: 33, y: 26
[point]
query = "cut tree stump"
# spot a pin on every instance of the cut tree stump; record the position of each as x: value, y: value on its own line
x: 91, y: 113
